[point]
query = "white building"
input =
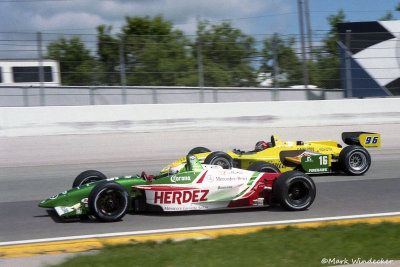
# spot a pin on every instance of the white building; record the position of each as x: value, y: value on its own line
x: 25, y: 72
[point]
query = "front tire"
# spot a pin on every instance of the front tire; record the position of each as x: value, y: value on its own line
x: 88, y: 177
x: 108, y: 201
x: 219, y: 158
x: 354, y: 160
x: 294, y: 190
x: 198, y: 150
x: 261, y: 166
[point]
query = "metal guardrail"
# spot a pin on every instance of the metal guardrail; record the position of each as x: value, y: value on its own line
x: 95, y: 95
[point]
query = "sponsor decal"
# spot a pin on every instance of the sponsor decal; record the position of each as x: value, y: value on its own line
x: 85, y: 200
x: 77, y: 208
x: 237, y: 171
x: 230, y: 179
x: 318, y: 170
x: 65, y: 209
x: 325, y: 149
x: 309, y: 159
x: 210, y: 178
x: 183, y: 208
x: 308, y: 149
x: 175, y: 178
x: 224, y: 187
x: 180, y: 197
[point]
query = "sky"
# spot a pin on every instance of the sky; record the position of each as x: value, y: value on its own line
x: 21, y: 19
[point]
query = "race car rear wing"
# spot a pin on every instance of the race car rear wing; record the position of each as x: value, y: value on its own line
x: 364, y: 139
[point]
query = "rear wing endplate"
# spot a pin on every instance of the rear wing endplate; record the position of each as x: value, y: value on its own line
x: 364, y: 139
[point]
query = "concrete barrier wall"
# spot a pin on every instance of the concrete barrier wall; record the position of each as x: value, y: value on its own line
x: 56, y: 120
x: 85, y: 95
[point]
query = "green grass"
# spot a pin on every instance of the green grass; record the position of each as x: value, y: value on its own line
x: 271, y: 247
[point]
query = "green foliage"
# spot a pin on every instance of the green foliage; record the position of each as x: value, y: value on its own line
x: 388, y: 16
x: 108, y: 56
x: 156, y: 54
x: 272, y: 247
x: 287, y: 60
x: 325, y: 70
x: 76, y: 64
x: 226, y: 55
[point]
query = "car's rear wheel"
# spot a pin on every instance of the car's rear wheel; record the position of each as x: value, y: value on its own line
x: 294, y: 190
x: 88, y: 177
x: 219, y: 158
x: 198, y: 150
x: 261, y: 166
x: 354, y: 160
x: 108, y: 201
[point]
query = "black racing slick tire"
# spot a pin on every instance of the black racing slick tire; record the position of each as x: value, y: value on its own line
x: 354, y: 160
x: 88, y: 177
x: 198, y: 150
x: 261, y: 166
x: 294, y: 190
x: 219, y: 158
x: 108, y: 201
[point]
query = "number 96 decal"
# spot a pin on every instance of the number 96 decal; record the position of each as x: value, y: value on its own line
x: 370, y: 140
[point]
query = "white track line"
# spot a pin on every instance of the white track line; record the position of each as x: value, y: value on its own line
x: 199, y: 228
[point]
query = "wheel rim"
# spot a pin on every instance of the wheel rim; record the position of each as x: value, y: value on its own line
x: 358, y: 161
x: 110, y: 202
x: 298, y: 192
x: 224, y: 163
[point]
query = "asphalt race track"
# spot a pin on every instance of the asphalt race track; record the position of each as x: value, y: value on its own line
x: 34, y: 168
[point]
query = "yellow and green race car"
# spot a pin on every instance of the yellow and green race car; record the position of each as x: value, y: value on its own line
x: 312, y: 157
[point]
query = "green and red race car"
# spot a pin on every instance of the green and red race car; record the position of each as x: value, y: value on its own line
x: 312, y: 157
x: 194, y: 186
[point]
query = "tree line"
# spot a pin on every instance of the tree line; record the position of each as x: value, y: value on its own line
x: 153, y: 53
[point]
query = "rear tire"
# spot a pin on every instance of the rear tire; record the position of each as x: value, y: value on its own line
x: 108, y: 201
x: 88, y: 177
x: 261, y: 166
x: 198, y: 150
x: 354, y: 160
x: 294, y: 190
x: 219, y: 158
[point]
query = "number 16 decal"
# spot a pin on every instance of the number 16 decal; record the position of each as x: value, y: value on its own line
x: 323, y: 160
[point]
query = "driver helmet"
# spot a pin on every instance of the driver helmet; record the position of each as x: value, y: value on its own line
x: 175, y: 168
x: 260, y: 146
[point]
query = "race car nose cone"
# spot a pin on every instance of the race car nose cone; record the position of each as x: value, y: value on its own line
x: 52, y: 201
x: 46, y: 203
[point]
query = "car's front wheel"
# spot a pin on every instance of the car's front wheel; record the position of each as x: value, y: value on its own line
x: 261, y: 166
x: 108, y: 201
x: 87, y: 177
x: 219, y: 158
x: 294, y: 190
x: 198, y: 150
